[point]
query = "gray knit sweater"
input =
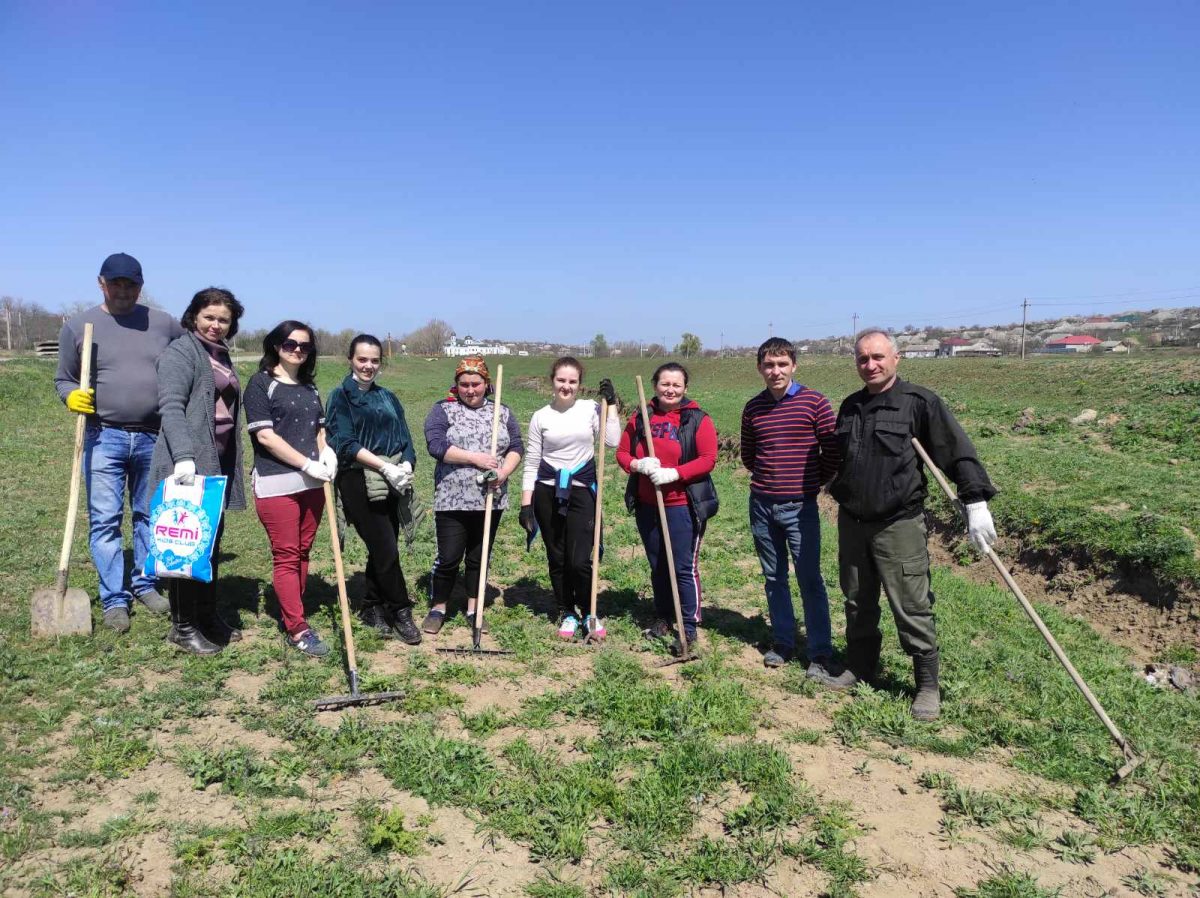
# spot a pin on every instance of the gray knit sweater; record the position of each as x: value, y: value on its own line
x: 186, y: 401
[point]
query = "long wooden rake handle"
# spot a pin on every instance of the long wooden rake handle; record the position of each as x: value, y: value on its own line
x: 599, y: 507
x: 1124, y: 744
x: 487, y: 514
x: 343, y: 599
x: 662, y: 520
x: 64, y: 556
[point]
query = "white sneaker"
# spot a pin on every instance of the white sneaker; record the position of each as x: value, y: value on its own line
x: 568, y: 626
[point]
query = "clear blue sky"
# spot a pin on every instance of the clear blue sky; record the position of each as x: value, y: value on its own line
x: 557, y: 169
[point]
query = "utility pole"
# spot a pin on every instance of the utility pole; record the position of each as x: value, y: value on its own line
x: 1024, y: 314
x: 8, y: 323
x: 853, y: 325
x: 722, y: 344
x: 389, y: 341
x: 770, y: 328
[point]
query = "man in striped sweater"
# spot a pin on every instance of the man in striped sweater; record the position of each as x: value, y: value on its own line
x: 788, y: 445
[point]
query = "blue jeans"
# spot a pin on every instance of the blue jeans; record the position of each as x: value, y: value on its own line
x: 114, y: 461
x: 783, y: 529
x: 685, y: 552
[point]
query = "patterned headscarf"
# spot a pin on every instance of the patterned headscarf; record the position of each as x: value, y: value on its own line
x: 471, y: 364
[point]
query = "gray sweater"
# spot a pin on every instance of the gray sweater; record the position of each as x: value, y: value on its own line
x: 186, y: 401
x: 123, y: 374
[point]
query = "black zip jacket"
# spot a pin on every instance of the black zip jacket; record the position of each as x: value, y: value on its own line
x: 881, y: 478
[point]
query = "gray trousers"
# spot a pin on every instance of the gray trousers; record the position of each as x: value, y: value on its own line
x: 895, y: 557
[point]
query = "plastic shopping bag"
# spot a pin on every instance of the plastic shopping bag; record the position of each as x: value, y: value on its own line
x: 183, y: 526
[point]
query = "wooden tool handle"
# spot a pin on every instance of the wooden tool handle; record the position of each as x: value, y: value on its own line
x: 599, y: 506
x: 662, y: 520
x: 487, y: 506
x: 85, y: 381
x: 343, y: 599
x: 1029, y: 610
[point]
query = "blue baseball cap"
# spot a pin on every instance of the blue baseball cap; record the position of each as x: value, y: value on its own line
x: 122, y: 265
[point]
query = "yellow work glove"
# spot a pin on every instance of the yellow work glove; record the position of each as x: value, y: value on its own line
x: 82, y: 402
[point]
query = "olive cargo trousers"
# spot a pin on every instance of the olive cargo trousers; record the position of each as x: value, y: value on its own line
x: 895, y: 557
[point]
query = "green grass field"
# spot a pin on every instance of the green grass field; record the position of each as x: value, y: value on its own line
x: 126, y: 768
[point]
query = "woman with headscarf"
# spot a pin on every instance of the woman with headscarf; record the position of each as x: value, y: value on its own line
x: 458, y: 433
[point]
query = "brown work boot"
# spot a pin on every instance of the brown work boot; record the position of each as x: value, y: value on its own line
x: 928, y: 703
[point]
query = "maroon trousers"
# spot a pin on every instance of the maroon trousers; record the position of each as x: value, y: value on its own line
x: 291, y: 523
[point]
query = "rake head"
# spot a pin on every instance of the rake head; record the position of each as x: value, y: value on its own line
x: 355, y: 700
x: 596, y: 633
x: 473, y: 651
x: 679, y: 659
x: 1132, y: 761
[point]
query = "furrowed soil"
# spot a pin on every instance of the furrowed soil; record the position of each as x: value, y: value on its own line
x: 562, y: 770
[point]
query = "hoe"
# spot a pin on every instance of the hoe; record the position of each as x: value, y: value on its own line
x: 1132, y: 758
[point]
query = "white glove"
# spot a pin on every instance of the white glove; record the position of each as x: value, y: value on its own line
x: 980, y: 527
x: 185, y: 472
x: 663, y: 476
x: 329, y: 459
x: 316, y: 471
x: 647, y: 465
x: 399, y: 477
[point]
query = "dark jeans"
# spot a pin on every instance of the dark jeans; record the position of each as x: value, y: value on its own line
x: 568, y: 539
x: 784, y: 530
x: 378, y: 526
x: 459, y: 534
x: 685, y: 550
x: 895, y: 557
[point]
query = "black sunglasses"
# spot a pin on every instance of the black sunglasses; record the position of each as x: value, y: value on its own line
x: 293, y: 346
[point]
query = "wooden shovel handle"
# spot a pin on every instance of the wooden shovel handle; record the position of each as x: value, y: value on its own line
x: 85, y: 381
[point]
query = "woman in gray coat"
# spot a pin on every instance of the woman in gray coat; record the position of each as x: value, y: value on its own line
x: 198, y: 399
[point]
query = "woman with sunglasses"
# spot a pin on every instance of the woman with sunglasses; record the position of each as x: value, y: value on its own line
x: 458, y: 433
x: 368, y: 430
x: 291, y: 466
x: 558, y: 491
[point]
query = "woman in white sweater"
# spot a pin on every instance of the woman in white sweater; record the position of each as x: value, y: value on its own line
x: 558, y: 490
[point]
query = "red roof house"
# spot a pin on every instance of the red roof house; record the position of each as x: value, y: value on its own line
x: 1073, y: 343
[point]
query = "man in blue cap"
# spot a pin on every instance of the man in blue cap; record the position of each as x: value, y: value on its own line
x: 121, y: 405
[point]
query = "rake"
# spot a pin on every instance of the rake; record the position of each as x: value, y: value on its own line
x: 477, y: 649
x: 1132, y: 758
x: 685, y: 654
x: 593, y: 625
x: 355, y: 698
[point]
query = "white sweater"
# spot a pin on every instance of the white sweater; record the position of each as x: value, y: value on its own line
x: 565, y: 439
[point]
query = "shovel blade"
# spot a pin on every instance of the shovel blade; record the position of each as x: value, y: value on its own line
x: 48, y: 618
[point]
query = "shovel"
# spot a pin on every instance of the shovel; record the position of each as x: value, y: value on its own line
x: 59, y: 611
x: 685, y: 653
x: 1132, y: 758
x: 477, y: 624
x: 355, y: 698
x: 593, y: 625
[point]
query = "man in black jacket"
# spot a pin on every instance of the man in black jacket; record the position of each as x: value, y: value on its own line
x: 880, y: 487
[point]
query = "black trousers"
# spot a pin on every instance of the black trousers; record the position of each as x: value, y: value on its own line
x: 196, y: 599
x: 459, y: 535
x: 568, y: 539
x: 378, y: 525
